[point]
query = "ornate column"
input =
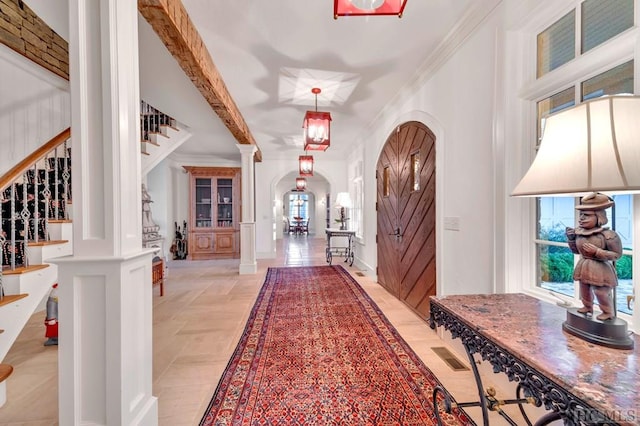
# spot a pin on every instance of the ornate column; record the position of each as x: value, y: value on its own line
x: 105, y: 291
x: 248, y: 264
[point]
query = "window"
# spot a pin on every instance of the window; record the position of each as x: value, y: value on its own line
x: 415, y: 171
x: 556, y: 44
x: 298, y: 207
x: 357, y: 189
x: 600, y: 21
x: 616, y: 81
x: 604, y: 19
x: 385, y: 181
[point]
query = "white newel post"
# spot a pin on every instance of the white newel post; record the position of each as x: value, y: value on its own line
x: 105, y: 290
x: 248, y: 264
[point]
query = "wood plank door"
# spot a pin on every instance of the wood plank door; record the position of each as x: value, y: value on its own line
x: 406, y: 216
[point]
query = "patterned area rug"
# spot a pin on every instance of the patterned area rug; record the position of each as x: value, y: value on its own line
x: 318, y: 351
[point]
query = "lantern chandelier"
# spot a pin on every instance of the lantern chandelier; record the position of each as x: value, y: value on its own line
x: 368, y: 7
x: 301, y: 184
x: 316, y: 127
x: 305, y: 165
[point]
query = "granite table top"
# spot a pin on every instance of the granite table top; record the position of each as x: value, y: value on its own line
x: 530, y: 329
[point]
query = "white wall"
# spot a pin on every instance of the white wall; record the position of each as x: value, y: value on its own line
x: 34, y: 107
x: 178, y: 209
x: 158, y: 182
x: 456, y: 102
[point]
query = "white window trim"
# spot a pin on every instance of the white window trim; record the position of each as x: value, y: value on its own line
x: 521, y: 274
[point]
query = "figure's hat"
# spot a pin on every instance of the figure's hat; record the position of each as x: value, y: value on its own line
x: 595, y: 201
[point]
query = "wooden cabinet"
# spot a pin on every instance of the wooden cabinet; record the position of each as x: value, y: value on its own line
x: 214, y: 212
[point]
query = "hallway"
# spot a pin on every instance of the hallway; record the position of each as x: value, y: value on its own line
x: 197, y: 324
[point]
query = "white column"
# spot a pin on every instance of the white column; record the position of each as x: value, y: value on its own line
x: 105, y: 290
x: 248, y: 264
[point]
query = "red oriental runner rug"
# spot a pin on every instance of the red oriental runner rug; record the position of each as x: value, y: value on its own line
x: 317, y: 350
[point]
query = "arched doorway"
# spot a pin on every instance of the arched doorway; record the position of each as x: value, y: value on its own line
x: 406, y: 215
x: 299, y: 206
x: 314, y: 203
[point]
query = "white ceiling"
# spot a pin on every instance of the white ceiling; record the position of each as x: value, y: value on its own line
x: 272, y: 53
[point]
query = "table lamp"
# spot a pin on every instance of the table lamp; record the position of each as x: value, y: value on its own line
x: 343, y: 202
x: 590, y: 148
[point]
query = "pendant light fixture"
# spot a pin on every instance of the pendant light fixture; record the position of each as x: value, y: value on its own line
x: 301, y: 184
x: 368, y: 7
x: 317, y: 128
x: 305, y: 165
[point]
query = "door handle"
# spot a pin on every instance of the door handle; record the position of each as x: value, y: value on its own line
x: 397, y: 234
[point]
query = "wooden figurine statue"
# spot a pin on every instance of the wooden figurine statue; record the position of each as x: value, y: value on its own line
x: 599, y: 247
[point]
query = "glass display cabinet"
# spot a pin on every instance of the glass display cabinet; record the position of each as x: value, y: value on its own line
x: 214, y: 199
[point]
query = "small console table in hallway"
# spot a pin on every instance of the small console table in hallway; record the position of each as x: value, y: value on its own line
x: 345, y: 250
x: 521, y: 336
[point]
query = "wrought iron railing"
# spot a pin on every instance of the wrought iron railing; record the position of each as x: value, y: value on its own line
x: 151, y: 119
x: 34, y: 192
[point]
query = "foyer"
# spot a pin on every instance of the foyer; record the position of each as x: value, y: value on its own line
x: 196, y: 326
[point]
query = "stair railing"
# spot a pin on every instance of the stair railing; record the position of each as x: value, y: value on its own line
x: 151, y: 119
x: 36, y: 190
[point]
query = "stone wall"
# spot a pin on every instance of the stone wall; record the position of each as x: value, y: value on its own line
x: 23, y: 31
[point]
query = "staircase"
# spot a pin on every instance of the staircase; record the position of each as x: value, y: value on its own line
x: 160, y: 136
x: 35, y: 207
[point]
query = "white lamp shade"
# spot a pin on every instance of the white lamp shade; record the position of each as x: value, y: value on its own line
x: 592, y: 147
x: 343, y: 200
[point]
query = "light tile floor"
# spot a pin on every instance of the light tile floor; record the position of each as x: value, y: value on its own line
x: 197, y: 324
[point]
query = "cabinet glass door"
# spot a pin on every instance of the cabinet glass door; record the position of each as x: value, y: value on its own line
x: 225, y: 202
x: 204, y: 205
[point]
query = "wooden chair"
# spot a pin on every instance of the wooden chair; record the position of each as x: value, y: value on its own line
x: 297, y: 225
x: 157, y: 273
x: 304, y: 228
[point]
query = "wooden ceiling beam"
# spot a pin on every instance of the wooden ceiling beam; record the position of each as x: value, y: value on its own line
x: 170, y: 21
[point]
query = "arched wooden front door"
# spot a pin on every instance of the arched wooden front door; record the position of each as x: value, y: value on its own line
x: 406, y: 189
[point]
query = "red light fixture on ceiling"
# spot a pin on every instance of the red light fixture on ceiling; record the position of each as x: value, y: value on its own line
x: 301, y: 183
x: 317, y: 128
x: 368, y: 7
x: 305, y: 163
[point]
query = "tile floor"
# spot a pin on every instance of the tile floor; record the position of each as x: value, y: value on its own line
x: 197, y: 324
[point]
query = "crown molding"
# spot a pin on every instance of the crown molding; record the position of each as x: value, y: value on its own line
x: 463, y: 29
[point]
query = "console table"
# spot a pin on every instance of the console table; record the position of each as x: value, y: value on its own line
x: 346, y: 251
x: 521, y: 336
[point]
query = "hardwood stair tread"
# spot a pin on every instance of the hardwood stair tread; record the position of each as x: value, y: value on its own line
x: 12, y: 298
x: 5, y: 371
x: 23, y: 270
x: 60, y: 221
x: 151, y: 143
x: 170, y: 126
x: 46, y: 243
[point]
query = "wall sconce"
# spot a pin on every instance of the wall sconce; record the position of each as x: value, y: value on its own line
x: 305, y: 163
x: 301, y: 184
x: 317, y: 128
x: 368, y: 7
